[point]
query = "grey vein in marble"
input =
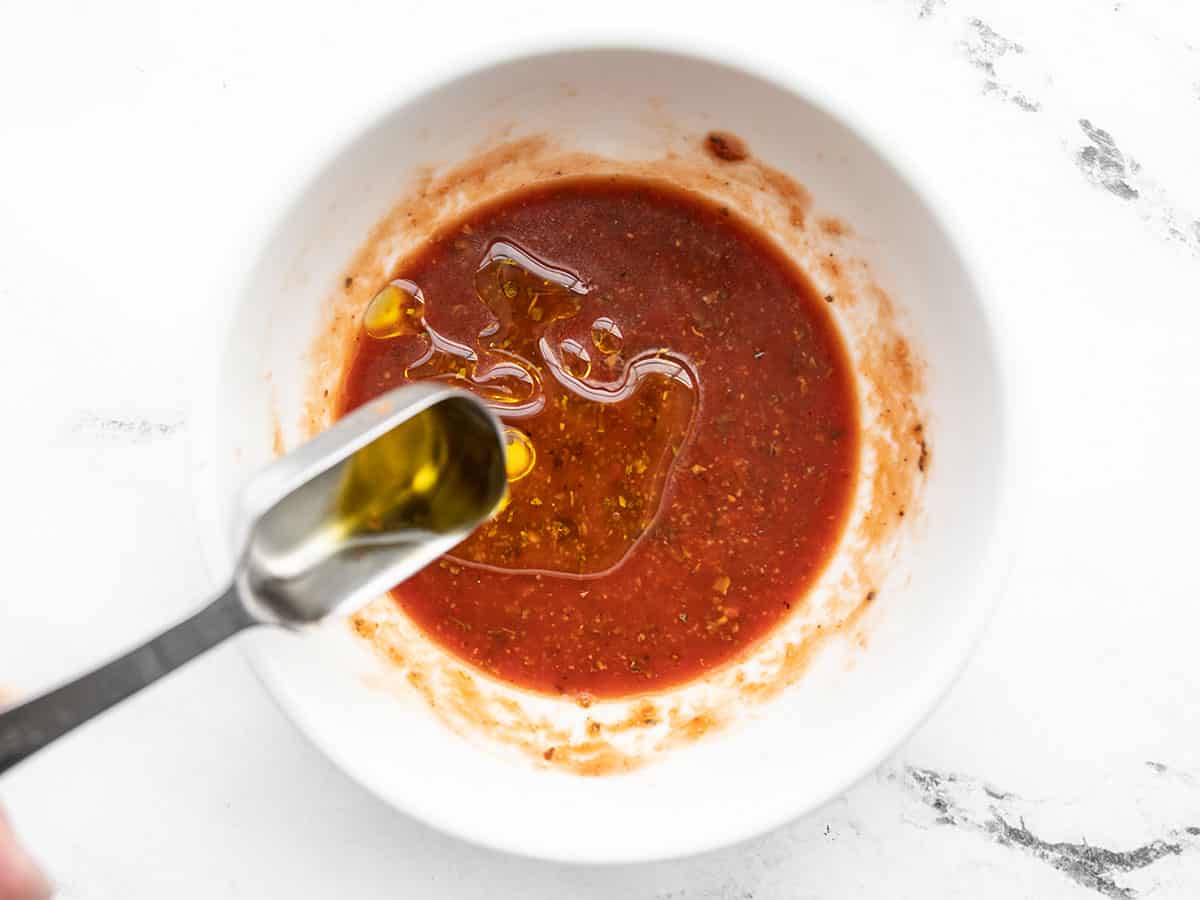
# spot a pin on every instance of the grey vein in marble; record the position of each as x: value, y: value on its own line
x: 1106, y: 165
x: 123, y: 429
x: 1168, y: 772
x: 972, y: 805
x: 928, y: 7
x: 1101, y: 160
x: 984, y: 47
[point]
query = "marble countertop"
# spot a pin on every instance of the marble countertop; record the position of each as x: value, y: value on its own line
x: 144, y: 146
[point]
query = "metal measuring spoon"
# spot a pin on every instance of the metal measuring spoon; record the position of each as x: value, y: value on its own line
x: 333, y: 524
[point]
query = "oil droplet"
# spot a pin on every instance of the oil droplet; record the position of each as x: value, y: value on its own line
x: 575, y: 358
x: 522, y: 294
x: 395, y: 311
x: 606, y: 335
x: 519, y: 455
x: 507, y: 385
x: 517, y: 286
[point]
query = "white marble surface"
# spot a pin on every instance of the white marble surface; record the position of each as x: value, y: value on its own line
x: 144, y: 147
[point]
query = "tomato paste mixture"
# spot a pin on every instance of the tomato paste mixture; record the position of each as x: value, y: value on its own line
x: 681, y: 424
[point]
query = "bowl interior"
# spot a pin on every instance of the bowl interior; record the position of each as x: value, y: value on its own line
x: 854, y: 704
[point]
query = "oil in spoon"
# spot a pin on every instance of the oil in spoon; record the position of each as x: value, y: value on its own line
x: 417, y: 477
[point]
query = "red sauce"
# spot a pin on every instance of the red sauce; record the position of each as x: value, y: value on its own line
x: 684, y: 428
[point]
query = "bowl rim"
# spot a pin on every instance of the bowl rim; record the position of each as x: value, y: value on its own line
x: 1012, y: 485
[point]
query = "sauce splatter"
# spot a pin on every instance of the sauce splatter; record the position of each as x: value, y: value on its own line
x: 726, y: 147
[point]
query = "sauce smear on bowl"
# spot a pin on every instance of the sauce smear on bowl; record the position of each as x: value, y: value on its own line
x: 682, y: 428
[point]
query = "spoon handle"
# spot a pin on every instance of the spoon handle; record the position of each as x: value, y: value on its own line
x: 30, y: 726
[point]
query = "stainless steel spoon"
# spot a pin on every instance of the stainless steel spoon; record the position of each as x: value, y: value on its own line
x: 331, y: 525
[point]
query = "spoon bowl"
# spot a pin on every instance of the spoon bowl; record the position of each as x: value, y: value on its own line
x: 364, y: 505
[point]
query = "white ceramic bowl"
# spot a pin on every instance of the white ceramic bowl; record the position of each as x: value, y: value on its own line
x: 844, y: 715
